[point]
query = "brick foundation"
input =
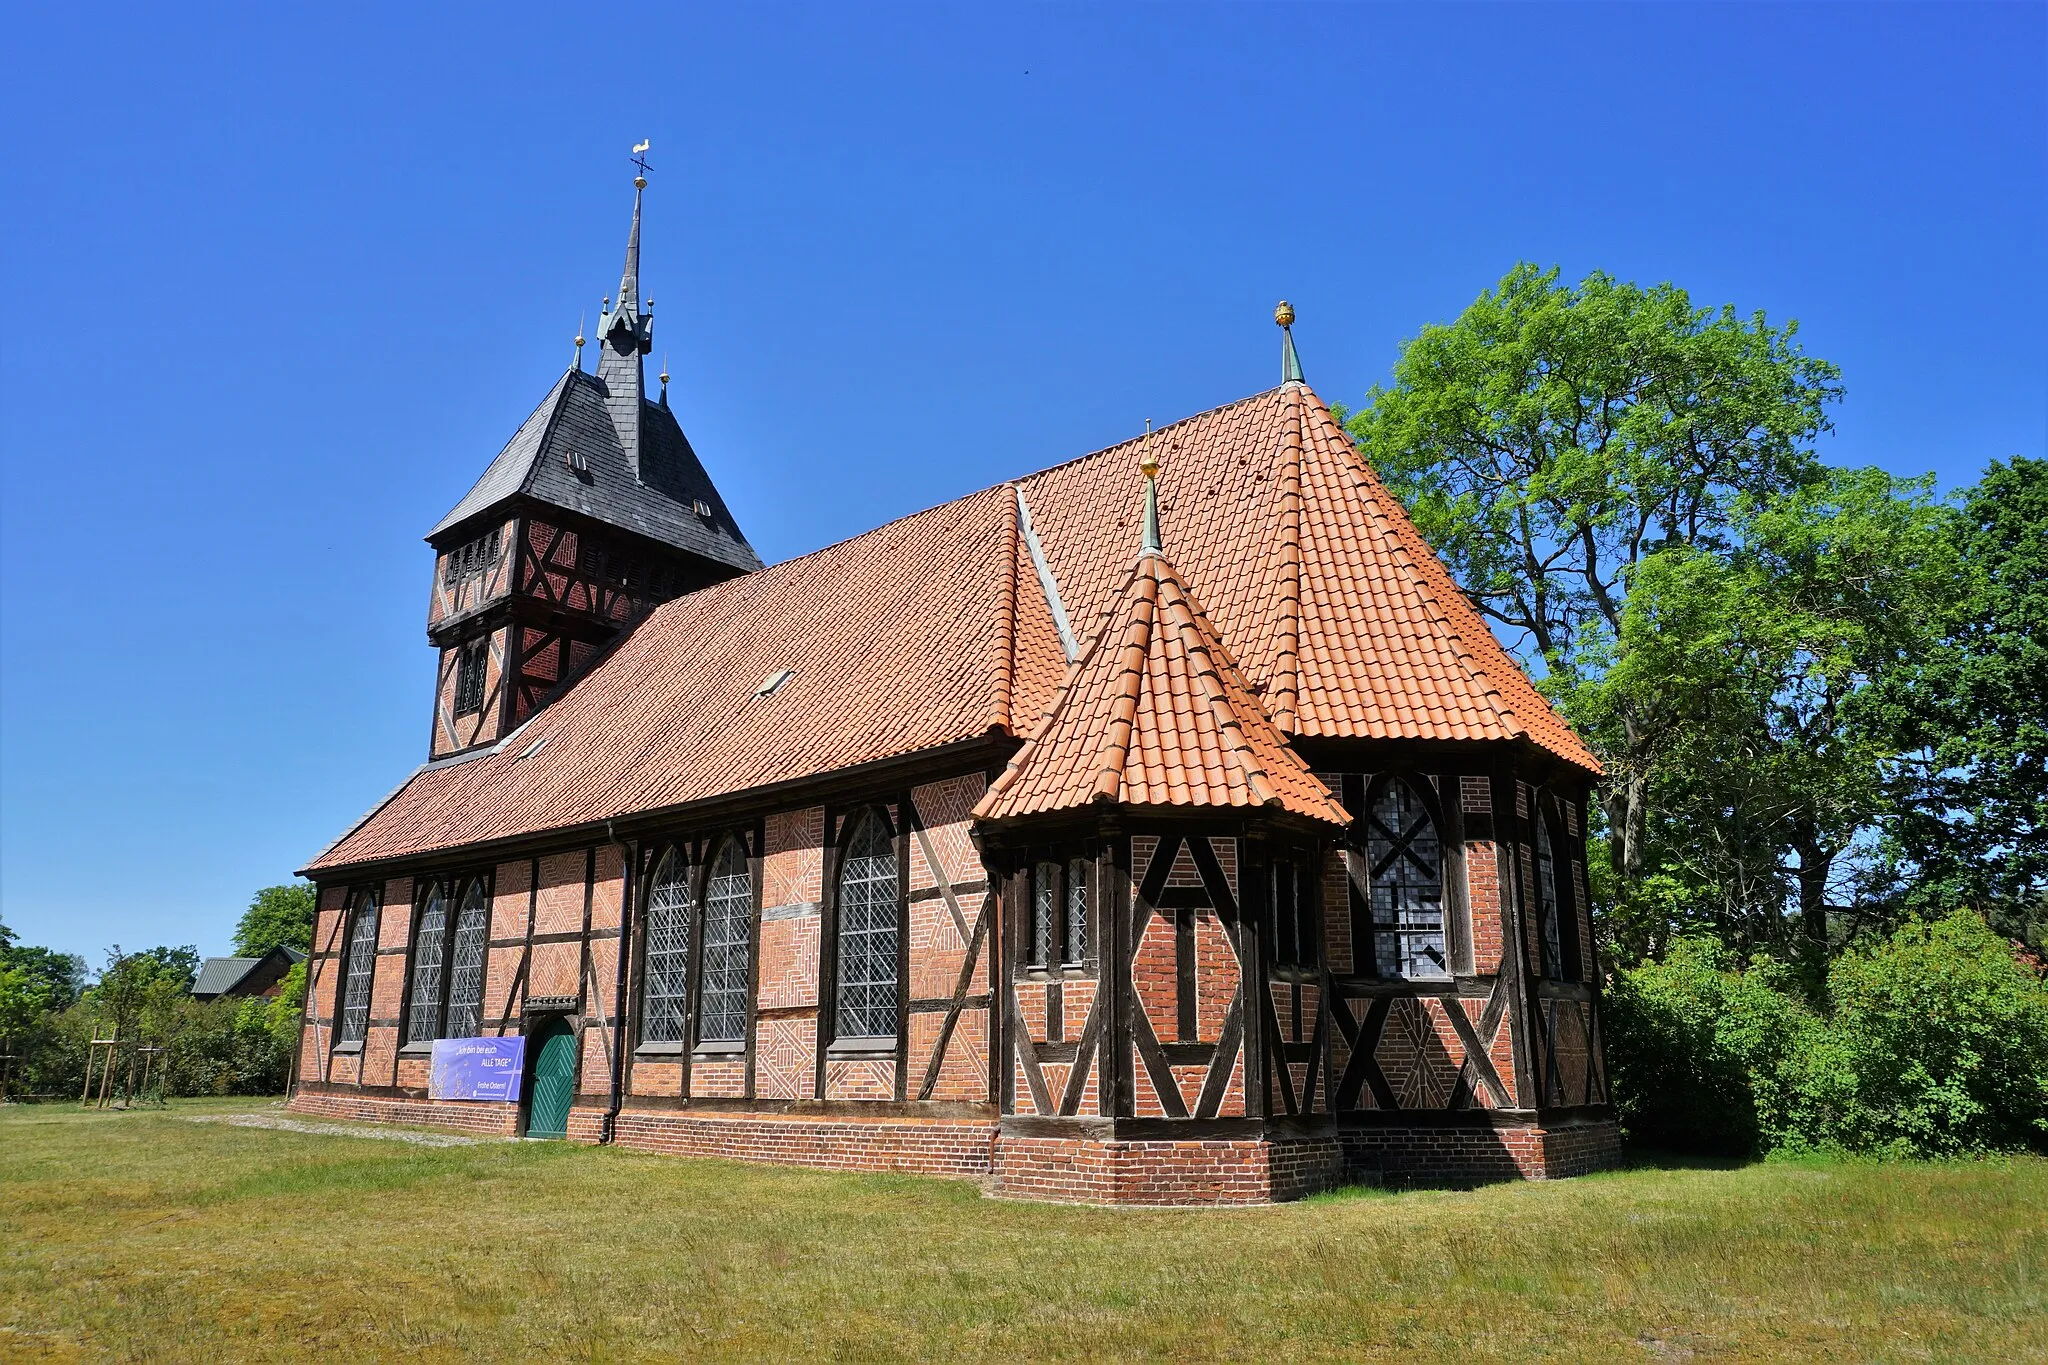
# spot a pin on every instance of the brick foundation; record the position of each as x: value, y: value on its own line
x: 1476, y: 1155
x: 485, y: 1119
x: 1208, y: 1172
x: 1077, y: 1169
x: 916, y: 1146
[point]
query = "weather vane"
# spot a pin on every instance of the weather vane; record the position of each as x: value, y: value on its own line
x: 640, y: 156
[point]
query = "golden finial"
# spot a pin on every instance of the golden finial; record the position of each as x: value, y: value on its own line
x: 664, y: 369
x: 1284, y: 314
x: 579, y: 339
x: 1148, y: 463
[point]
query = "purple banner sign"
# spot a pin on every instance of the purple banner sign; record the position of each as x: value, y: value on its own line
x: 476, y: 1068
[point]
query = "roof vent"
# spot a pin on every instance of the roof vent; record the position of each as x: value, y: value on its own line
x: 579, y: 463
x: 536, y: 746
x: 701, y: 508
x: 773, y: 681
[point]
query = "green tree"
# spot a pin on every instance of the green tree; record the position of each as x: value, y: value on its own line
x: 1766, y: 657
x: 278, y: 917
x: 1972, y: 714
x: 63, y: 974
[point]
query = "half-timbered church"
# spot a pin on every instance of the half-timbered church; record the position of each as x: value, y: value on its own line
x: 1159, y: 827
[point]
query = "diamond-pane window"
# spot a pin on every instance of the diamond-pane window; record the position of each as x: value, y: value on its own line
x: 429, y: 949
x: 472, y: 664
x: 728, y: 925
x: 466, y: 971
x: 1547, y: 900
x: 868, y: 934
x: 362, y: 962
x: 1077, y: 910
x: 1045, y: 909
x: 1405, y: 870
x: 669, y: 908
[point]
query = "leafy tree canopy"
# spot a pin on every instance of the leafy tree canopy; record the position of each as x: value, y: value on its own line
x: 1555, y: 436
x: 1972, y: 714
x: 277, y: 917
x: 61, y: 974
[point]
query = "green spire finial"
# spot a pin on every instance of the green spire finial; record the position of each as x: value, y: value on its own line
x: 1290, y: 363
x: 1150, y: 466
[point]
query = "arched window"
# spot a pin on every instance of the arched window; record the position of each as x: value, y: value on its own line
x: 466, y: 968
x: 1548, y: 899
x: 669, y: 907
x: 361, y: 963
x: 867, y: 933
x: 728, y: 929
x: 1405, y: 871
x: 429, y: 951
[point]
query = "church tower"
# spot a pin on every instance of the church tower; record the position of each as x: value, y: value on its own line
x: 596, y: 511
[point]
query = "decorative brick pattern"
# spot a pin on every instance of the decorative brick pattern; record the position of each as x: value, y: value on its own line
x: 792, y: 865
x: 785, y: 1058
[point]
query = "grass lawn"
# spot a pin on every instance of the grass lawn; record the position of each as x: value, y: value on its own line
x: 148, y: 1236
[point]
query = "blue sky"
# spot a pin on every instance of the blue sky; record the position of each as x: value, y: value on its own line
x: 279, y: 282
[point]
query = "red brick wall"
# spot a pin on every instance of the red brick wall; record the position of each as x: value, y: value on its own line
x: 463, y: 1116
x: 955, y: 1147
x: 1211, y: 1172
x: 1474, y: 1155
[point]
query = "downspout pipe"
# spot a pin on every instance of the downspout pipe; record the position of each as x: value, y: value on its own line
x: 609, y: 1129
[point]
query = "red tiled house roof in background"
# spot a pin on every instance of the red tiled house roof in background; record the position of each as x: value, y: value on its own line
x: 1156, y: 714
x: 934, y: 629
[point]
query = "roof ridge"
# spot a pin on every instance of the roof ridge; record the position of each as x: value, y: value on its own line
x: 1385, y: 510
x: 1004, y: 649
x: 1286, y: 686
x: 560, y: 395
x: 1198, y: 636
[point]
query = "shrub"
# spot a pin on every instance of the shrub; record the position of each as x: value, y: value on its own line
x: 1947, y: 1036
x: 1935, y: 1043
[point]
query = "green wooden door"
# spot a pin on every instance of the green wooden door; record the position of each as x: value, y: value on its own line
x: 554, y: 1081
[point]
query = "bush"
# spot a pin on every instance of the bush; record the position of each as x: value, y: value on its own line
x: 1935, y: 1043
x: 218, y: 1047
x: 1947, y: 1037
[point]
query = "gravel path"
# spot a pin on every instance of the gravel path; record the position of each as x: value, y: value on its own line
x: 290, y: 1125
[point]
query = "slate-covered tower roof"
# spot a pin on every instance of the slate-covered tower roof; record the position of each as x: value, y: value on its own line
x: 596, y: 446
x: 595, y: 512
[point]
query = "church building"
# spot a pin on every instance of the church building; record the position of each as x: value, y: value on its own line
x: 1161, y: 827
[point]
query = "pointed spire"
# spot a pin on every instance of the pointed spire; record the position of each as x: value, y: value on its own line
x: 579, y: 341
x: 1149, y: 465
x: 1290, y: 363
x: 625, y: 336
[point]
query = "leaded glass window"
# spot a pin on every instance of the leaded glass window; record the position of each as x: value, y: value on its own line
x: 466, y: 970
x: 429, y: 949
x: 669, y: 909
x: 1294, y: 918
x: 867, y: 933
x: 1404, y: 860
x: 728, y: 926
x: 1045, y: 909
x: 1077, y: 910
x: 1547, y: 900
x: 472, y: 663
x: 362, y: 964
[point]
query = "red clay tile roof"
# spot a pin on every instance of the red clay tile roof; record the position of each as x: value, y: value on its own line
x: 1156, y: 714
x: 934, y: 629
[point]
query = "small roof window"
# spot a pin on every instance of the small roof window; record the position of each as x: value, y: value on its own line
x: 773, y: 681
